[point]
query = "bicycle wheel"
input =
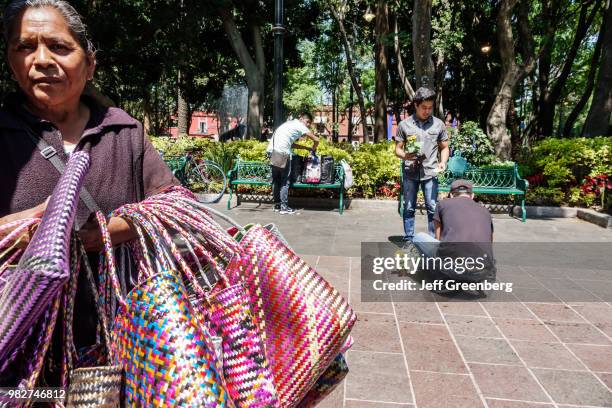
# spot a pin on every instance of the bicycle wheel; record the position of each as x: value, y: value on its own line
x: 208, y: 182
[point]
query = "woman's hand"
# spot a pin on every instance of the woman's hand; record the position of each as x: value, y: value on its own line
x: 34, y: 212
x: 119, y: 229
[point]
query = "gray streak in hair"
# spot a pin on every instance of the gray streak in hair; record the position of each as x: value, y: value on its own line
x: 72, y: 17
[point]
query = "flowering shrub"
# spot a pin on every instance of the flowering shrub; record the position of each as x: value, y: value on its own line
x: 389, y: 190
x: 596, y: 187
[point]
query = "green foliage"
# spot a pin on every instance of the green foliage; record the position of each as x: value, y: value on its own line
x: 249, y: 150
x: 545, y: 196
x: 326, y: 148
x: 565, y: 162
x: 182, y: 145
x: 222, y: 154
x: 374, y: 165
x: 474, y: 145
x: 302, y: 93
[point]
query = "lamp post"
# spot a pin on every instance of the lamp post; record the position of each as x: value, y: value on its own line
x: 279, y: 31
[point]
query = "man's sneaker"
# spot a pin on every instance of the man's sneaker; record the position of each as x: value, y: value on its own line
x: 277, y: 207
x: 287, y: 210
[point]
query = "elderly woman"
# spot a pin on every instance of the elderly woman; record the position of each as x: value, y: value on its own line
x: 51, y: 59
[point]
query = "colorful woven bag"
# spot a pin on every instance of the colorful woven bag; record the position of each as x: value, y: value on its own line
x: 164, y: 350
x: 326, y: 383
x: 90, y: 385
x: 225, y: 306
x: 43, y: 268
x: 305, y: 320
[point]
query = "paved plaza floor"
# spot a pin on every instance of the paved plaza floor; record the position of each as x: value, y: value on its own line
x: 514, y: 354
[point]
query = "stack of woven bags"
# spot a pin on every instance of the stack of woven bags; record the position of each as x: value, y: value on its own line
x: 218, y: 317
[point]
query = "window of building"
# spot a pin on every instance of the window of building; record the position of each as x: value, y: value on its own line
x: 203, y: 127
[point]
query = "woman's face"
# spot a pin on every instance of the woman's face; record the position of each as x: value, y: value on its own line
x: 47, y: 60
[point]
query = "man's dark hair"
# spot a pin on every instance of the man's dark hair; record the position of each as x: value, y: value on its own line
x: 306, y: 115
x: 424, y: 94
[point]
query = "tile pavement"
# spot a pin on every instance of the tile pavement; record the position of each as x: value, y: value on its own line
x: 520, y: 354
x: 472, y: 354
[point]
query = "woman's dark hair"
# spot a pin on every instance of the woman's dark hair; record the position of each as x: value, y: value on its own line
x: 72, y: 17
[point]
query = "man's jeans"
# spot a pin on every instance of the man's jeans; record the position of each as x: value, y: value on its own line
x: 426, y: 244
x: 430, y: 192
x: 281, y: 179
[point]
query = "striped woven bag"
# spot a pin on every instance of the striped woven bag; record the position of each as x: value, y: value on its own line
x: 305, y: 321
x: 156, y: 337
x: 225, y: 306
x: 30, y: 289
x: 90, y: 386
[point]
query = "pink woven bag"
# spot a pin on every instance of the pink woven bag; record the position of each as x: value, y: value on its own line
x: 225, y: 306
x: 305, y: 321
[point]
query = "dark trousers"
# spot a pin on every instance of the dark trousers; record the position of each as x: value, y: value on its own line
x: 281, y: 180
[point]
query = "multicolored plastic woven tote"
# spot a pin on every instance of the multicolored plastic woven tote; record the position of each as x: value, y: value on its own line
x: 245, y: 366
x: 223, y: 305
x: 163, y: 348
x: 43, y: 269
x: 306, y: 322
x: 92, y: 385
x: 326, y: 383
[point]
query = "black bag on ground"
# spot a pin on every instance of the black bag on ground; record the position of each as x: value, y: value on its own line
x: 328, y: 170
x: 297, y: 167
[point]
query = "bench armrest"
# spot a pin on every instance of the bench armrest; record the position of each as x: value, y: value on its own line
x: 521, y: 183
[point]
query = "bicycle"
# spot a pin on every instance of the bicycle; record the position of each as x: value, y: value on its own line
x: 204, y: 178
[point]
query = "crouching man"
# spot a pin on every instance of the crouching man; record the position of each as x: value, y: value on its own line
x: 463, y: 229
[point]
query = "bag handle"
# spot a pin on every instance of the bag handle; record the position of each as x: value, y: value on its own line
x: 219, y: 214
x: 103, y: 323
x: 108, y: 261
x: 49, y: 153
x: 177, y: 255
x: 191, y: 242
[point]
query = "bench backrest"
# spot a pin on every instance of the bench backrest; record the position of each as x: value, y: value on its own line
x: 484, y: 178
x: 261, y: 171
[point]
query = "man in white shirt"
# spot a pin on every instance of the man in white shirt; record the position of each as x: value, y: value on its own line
x: 283, y: 141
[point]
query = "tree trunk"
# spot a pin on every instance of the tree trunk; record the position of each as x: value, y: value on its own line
x: 352, y: 71
x: 382, y: 72
x: 598, y: 119
x: 147, y: 113
x: 255, y: 108
x: 512, y: 73
x: 550, y: 94
x: 182, y: 110
x: 334, y: 118
x: 254, y: 69
x: 588, y: 88
x: 400, y: 64
x: 349, y: 137
x: 513, y: 125
x: 421, y: 44
x: 440, y: 71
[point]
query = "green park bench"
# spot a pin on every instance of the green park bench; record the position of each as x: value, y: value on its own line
x: 484, y: 180
x: 256, y: 173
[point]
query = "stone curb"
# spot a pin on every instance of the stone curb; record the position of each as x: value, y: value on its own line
x: 594, y: 217
x: 585, y: 214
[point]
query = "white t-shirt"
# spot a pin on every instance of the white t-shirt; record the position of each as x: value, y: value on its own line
x: 69, y: 148
x: 286, y: 135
